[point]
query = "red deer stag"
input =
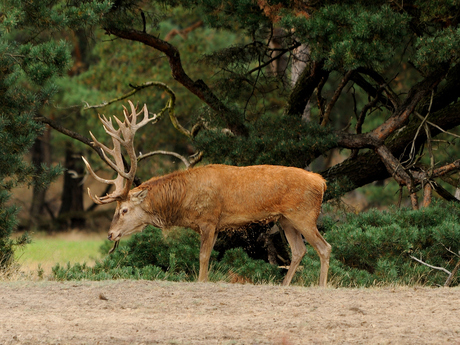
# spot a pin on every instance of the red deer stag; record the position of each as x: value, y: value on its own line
x: 213, y: 198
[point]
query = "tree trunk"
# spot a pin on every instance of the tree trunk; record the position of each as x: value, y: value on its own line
x: 71, y: 214
x: 41, y: 154
x: 300, y: 59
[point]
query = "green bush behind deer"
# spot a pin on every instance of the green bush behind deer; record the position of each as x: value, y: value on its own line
x: 373, y: 248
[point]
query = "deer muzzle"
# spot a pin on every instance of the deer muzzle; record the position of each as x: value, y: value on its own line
x: 113, y: 237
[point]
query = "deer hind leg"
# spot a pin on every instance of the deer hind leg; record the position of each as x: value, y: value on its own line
x: 298, y: 249
x: 307, y: 227
x: 208, y: 239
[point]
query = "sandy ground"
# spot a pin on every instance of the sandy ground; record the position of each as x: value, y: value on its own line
x: 157, y: 312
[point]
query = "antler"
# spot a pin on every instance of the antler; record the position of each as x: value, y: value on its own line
x: 123, y: 137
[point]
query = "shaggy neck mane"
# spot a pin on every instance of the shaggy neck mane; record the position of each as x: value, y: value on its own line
x: 166, y: 195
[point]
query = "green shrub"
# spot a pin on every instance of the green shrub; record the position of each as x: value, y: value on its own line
x: 146, y: 255
x: 380, y: 243
x: 151, y: 255
x: 369, y: 249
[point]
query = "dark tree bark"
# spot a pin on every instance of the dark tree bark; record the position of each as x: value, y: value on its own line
x: 197, y: 87
x: 306, y: 84
x: 368, y: 167
x: 41, y: 154
x: 71, y: 213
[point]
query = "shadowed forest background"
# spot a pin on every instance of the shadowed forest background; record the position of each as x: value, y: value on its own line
x: 363, y: 92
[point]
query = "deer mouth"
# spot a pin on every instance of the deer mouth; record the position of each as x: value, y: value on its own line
x: 113, y: 238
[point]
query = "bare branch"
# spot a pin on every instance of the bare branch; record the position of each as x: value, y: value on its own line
x: 276, y: 57
x: 398, y: 172
x: 124, y: 96
x: 362, y: 115
x: 451, y: 274
x: 424, y: 119
x: 198, y: 87
x: 57, y: 126
x: 430, y: 266
x: 437, y: 127
x: 160, y: 152
x: 336, y: 96
x: 450, y: 251
x: 415, y: 95
x: 447, y: 168
x: 184, y: 32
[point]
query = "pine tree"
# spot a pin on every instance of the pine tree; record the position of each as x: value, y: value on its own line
x: 379, y: 76
x: 27, y: 78
x: 380, y: 79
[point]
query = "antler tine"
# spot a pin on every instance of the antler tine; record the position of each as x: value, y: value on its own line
x: 118, y: 165
x: 128, y: 117
x: 95, y: 198
x: 98, y: 143
x: 146, y: 118
x: 91, y: 171
x: 107, y: 123
x: 122, y: 127
x: 109, y: 128
x: 121, y: 137
x: 133, y: 112
x: 117, y: 182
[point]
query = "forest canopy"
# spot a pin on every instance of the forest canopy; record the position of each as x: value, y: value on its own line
x: 359, y: 91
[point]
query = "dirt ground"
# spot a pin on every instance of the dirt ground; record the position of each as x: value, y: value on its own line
x: 158, y: 312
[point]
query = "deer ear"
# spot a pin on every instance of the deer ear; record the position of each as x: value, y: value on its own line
x: 139, y: 196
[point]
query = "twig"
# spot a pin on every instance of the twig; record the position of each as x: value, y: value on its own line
x: 424, y: 120
x: 126, y: 95
x: 334, y: 99
x: 446, y: 168
x: 451, y: 274
x: 282, y: 52
x: 430, y: 266
x: 436, y: 126
x: 362, y: 115
x: 450, y: 251
x: 184, y: 32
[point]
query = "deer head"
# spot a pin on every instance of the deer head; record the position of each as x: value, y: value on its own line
x: 122, y: 138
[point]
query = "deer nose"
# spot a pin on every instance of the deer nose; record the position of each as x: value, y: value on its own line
x: 109, y: 237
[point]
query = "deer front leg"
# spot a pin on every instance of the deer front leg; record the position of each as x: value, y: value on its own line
x: 208, y: 239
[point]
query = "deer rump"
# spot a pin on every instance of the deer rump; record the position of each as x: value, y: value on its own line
x: 213, y: 198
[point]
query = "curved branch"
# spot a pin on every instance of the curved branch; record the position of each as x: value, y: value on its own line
x: 184, y: 32
x: 338, y: 91
x: 276, y: 57
x: 367, y: 167
x: 402, y: 114
x: 126, y: 95
x: 188, y: 163
x: 161, y: 152
x: 430, y: 266
x: 170, y: 105
x: 198, y: 88
x: 57, y: 126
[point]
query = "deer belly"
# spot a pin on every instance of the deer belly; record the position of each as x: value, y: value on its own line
x: 240, y: 220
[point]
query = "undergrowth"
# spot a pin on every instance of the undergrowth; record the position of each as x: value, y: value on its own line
x: 373, y: 248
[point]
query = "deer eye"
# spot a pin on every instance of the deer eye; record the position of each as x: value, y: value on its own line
x: 124, y: 211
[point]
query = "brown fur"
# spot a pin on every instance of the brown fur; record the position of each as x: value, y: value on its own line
x: 169, y: 194
x: 213, y: 198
